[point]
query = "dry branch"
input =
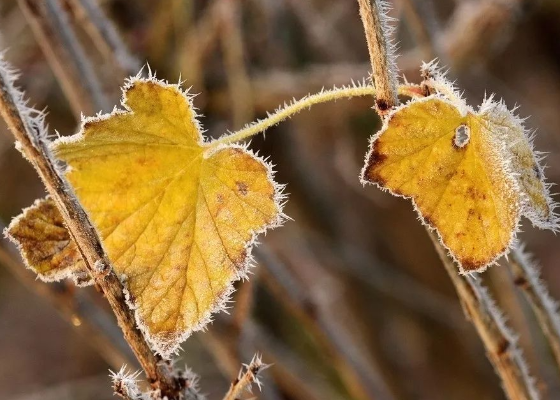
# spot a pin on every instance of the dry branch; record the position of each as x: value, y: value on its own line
x: 361, y: 379
x: 78, y: 310
x: 234, y: 58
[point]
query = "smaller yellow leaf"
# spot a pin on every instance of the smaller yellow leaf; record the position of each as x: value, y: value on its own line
x: 45, y: 243
x: 471, y: 174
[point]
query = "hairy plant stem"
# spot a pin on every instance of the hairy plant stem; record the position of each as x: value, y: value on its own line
x: 498, y: 339
x: 526, y: 277
x: 295, y: 107
x: 289, y: 110
x: 379, y: 54
x: 34, y: 148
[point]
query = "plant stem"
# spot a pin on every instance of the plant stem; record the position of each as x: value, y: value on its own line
x: 291, y: 109
x: 380, y: 53
x: 29, y: 135
x: 498, y: 339
x: 526, y: 277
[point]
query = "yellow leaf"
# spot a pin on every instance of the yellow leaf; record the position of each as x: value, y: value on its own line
x: 177, y: 218
x: 45, y: 244
x: 470, y: 174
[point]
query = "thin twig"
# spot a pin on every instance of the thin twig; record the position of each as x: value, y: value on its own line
x: 67, y: 56
x: 57, y: 56
x: 292, y: 373
x: 500, y: 342
x: 420, y: 16
x: 319, y: 29
x: 198, y: 43
x: 526, y: 277
x: 59, y: 18
x: 28, y: 128
x: 243, y: 305
x: 374, y: 19
x: 104, y: 35
x: 477, y: 28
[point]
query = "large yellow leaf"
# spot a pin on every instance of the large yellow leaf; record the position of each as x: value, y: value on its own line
x: 177, y: 219
x: 470, y: 174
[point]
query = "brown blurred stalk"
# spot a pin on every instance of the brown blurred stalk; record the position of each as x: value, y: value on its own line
x: 104, y: 35
x: 360, y: 379
x: 66, y: 55
x: 526, y: 277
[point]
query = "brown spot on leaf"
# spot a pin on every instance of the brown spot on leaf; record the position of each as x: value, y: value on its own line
x: 242, y: 188
x: 428, y: 221
x: 375, y: 158
x: 470, y: 264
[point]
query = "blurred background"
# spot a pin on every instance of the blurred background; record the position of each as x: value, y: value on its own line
x: 349, y: 300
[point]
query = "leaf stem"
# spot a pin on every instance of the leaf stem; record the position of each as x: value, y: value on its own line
x: 291, y: 109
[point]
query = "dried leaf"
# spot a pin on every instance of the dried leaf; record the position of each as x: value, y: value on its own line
x: 45, y: 243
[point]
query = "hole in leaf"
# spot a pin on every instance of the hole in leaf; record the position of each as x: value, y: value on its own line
x: 462, y: 136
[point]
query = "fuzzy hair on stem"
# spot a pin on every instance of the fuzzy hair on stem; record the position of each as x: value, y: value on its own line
x: 248, y: 375
x: 125, y: 385
x: 288, y: 110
